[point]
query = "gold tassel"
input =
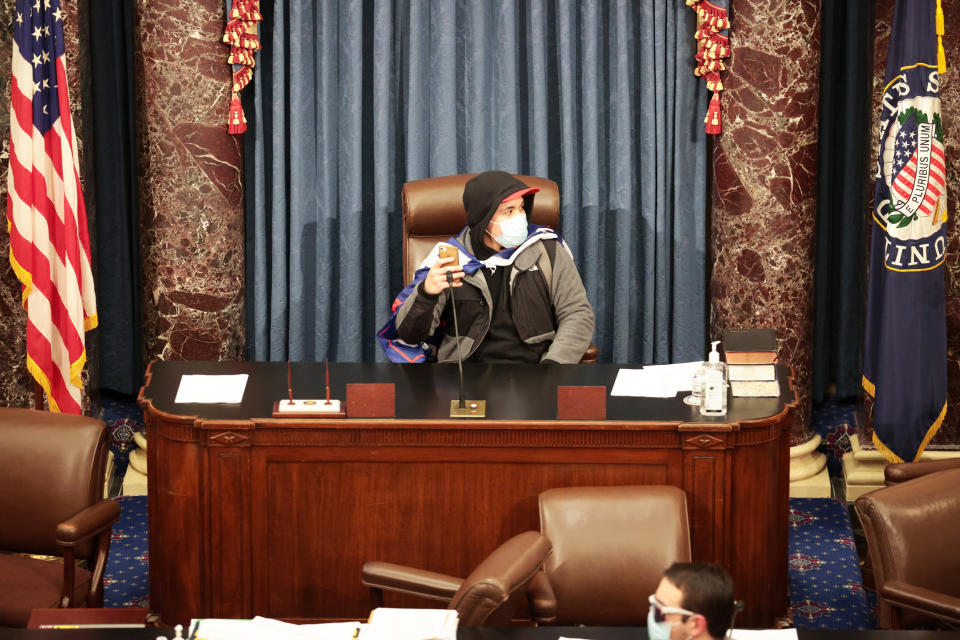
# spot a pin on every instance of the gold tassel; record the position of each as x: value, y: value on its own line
x: 941, y: 56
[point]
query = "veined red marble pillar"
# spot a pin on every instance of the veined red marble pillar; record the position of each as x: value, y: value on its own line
x: 191, y: 192
x: 765, y: 178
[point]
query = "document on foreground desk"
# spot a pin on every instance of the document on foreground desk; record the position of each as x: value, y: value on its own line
x: 411, y: 624
x: 655, y: 381
x: 259, y: 628
x: 764, y: 634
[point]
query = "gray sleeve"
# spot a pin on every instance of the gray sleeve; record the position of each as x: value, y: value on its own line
x: 419, y: 315
x: 575, y: 320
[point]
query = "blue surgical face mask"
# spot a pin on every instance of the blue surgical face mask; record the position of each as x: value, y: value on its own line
x: 513, y: 231
x: 657, y: 630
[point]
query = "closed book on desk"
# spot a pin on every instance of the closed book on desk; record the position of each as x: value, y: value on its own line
x: 753, y: 380
x: 750, y: 346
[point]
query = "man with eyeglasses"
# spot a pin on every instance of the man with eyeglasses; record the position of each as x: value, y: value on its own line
x: 694, y: 600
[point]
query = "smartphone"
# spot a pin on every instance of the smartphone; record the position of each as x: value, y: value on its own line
x: 449, y: 251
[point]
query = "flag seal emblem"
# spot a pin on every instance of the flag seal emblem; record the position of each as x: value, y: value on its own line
x: 911, y: 171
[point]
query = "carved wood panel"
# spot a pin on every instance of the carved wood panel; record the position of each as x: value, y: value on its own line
x: 441, y: 511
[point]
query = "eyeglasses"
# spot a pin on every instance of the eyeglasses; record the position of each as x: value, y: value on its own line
x: 660, y: 610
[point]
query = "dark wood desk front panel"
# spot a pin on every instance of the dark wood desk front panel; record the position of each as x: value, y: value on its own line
x: 257, y: 516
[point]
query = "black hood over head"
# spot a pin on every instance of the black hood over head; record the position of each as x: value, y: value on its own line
x: 483, y: 194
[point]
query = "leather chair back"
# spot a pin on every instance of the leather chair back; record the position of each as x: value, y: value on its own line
x: 52, y: 466
x: 492, y: 592
x: 433, y: 211
x: 903, y: 471
x: 610, y: 548
x: 912, y: 529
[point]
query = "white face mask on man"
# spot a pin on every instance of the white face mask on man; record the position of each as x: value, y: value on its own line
x: 513, y: 231
x: 657, y: 630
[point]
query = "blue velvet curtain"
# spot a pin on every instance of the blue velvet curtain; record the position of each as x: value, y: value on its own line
x: 353, y: 98
x: 844, y: 190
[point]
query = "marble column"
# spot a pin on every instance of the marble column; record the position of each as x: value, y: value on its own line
x: 191, y: 192
x: 16, y: 383
x: 764, y: 183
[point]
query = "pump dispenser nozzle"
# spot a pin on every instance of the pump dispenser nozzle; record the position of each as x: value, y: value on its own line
x: 714, y: 354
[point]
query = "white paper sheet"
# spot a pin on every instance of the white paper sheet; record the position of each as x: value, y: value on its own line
x: 325, y: 631
x: 764, y: 634
x: 411, y: 624
x: 260, y: 628
x: 655, y: 381
x: 212, y: 389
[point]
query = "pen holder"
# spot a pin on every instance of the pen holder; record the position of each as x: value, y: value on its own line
x: 581, y: 403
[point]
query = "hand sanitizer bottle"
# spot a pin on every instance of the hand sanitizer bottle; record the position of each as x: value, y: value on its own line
x: 696, y: 386
x: 713, y: 400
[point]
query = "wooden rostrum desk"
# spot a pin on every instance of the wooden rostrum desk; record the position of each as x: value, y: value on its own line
x: 252, y: 515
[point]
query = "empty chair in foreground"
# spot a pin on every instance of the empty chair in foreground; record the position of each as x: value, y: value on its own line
x: 611, y: 546
x: 488, y: 596
x: 52, y: 470
x: 911, y: 530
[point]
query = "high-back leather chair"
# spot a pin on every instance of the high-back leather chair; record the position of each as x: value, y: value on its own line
x: 52, y: 470
x: 912, y: 530
x: 611, y: 546
x: 896, y: 473
x: 488, y: 596
x: 433, y: 212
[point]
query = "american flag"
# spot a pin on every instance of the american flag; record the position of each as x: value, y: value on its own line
x: 905, y: 328
x: 920, y: 166
x: 49, y: 242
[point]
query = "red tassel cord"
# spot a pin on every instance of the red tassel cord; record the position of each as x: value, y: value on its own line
x: 237, y: 122
x: 712, y: 121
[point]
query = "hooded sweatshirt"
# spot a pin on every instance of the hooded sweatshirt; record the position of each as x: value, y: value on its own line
x: 482, y: 196
x: 508, y: 312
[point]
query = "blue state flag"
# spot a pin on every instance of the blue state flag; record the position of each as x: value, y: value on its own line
x: 905, y: 338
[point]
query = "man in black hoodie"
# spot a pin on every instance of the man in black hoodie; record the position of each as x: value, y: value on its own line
x: 519, y: 297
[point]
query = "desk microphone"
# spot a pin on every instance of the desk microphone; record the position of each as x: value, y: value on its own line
x: 462, y: 408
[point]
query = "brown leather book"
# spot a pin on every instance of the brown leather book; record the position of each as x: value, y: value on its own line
x: 750, y: 346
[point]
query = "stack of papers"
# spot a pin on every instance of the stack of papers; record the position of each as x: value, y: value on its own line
x: 655, y: 381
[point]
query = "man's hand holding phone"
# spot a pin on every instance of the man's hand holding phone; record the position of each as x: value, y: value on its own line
x: 448, y: 259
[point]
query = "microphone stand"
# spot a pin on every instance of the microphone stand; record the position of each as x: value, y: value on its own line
x: 463, y: 408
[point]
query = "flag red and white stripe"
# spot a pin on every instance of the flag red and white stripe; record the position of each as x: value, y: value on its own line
x: 46, y: 218
x: 937, y: 179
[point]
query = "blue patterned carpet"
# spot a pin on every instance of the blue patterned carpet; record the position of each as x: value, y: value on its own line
x: 826, y: 589
x: 127, y: 581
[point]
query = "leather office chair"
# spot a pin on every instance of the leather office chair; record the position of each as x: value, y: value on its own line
x: 901, y: 472
x: 895, y: 473
x: 433, y: 211
x: 610, y: 548
x: 488, y: 596
x: 911, y: 530
x: 51, y: 487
